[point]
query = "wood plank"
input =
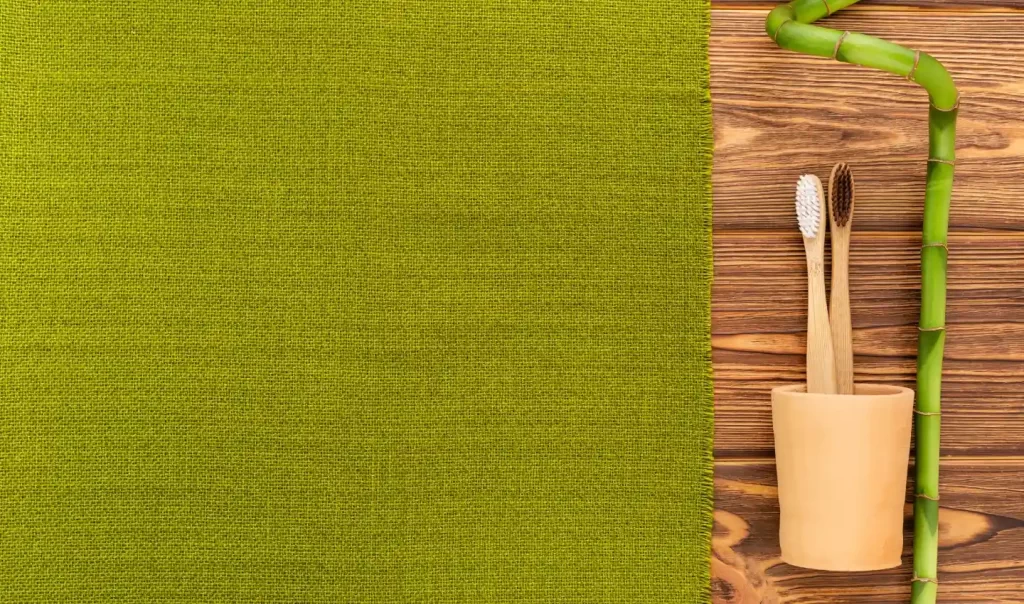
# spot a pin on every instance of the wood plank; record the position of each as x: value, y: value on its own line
x: 981, y: 540
x: 759, y: 320
x: 889, y: 5
x: 985, y: 421
x: 760, y: 284
x: 778, y: 114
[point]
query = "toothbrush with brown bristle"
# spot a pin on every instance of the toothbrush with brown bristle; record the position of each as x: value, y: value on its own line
x: 840, y: 191
x: 810, y: 213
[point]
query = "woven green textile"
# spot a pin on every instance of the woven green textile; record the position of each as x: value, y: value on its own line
x: 384, y: 301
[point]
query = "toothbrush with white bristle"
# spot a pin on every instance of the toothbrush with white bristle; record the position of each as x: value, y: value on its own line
x: 810, y: 213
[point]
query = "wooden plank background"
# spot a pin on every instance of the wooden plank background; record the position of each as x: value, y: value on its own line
x: 779, y: 114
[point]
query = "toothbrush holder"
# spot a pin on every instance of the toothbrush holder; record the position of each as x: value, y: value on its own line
x: 842, y: 468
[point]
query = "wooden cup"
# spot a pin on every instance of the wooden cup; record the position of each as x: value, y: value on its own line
x: 842, y: 467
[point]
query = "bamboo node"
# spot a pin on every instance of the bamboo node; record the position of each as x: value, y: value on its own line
x: 917, y: 579
x: 839, y: 42
x: 828, y: 9
x: 956, y: 104
x: 928, y: 497
x: 941, y: 161
x: 936, y: 244
x: 917, y: 59
x: 919, y: 412
x: 778, y: 29
x: 927, y: 329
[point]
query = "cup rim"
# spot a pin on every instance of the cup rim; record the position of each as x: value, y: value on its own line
x: 860, y: 390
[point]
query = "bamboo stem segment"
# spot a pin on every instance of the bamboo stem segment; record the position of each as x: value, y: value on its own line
x: 790, y: 26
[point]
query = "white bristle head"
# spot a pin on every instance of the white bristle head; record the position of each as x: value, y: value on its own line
x: 808, y: 205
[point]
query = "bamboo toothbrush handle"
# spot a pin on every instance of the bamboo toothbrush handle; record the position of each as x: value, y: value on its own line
x: 842, y: 332
x: 821, y: 376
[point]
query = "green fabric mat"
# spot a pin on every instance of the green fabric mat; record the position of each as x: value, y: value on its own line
x: 385, y: 301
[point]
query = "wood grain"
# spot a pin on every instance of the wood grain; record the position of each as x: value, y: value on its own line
x: 759, y: 322
x: 778, y: 114
x: 981, y: 540
x: 985, y: 282
x: 888, y: 5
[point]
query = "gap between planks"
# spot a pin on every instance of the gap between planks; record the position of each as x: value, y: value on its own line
x: 972, y: 232
x: 949, y: 9
x: 950, y: 460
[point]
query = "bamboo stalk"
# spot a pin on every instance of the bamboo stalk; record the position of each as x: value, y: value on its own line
x: 790, y: 26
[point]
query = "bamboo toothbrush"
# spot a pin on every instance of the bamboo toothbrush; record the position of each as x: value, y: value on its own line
x: 840, y: 191
x: 810, y: 213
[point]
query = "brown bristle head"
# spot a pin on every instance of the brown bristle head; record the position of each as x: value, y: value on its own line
x: 841, y: 192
